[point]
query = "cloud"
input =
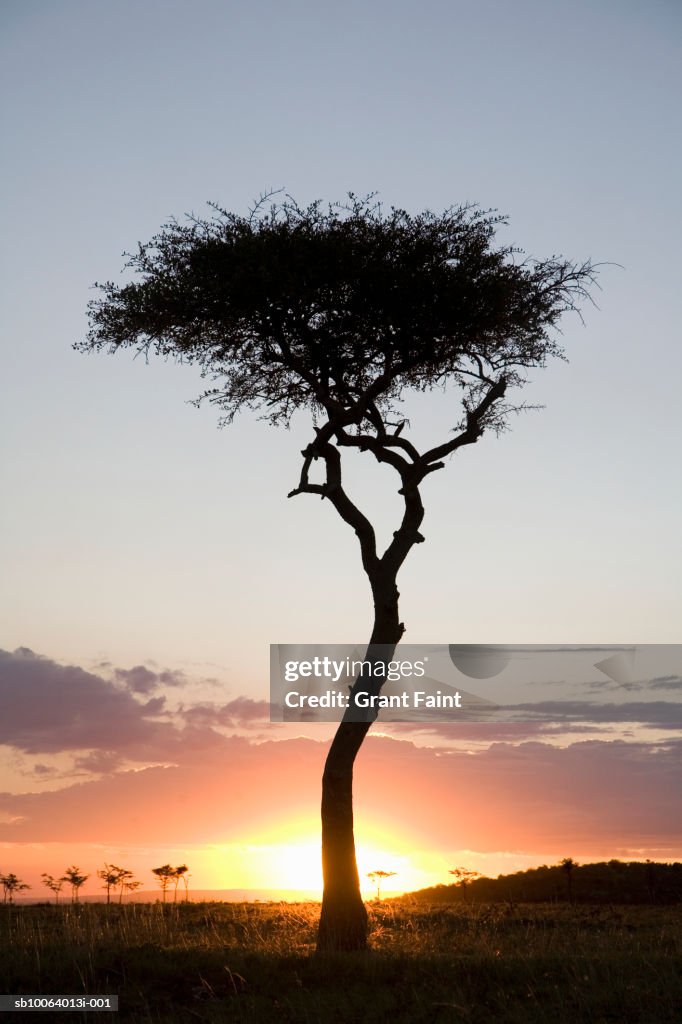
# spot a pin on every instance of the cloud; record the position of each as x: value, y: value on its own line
x: 660, y: 714
x: 672, y: 683
x: 46, y: 707
x: 224, y: 790
x: 528, y: 796
x: 138, y: 679
x: 242, y: 712
x: 99, y: 762
x: 141, y: 679
x: 490, y: 732
x: 667, y: 683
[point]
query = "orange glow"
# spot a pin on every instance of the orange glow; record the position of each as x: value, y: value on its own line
x: 289, y: 858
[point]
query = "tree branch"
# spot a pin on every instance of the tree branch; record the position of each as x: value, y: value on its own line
x: 474, y: 425
x: 333, y: 490
x: 381, y: 449
x: 408, y: 532
x: 411, y: 474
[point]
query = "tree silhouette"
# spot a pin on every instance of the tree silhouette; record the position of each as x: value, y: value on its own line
x: 343, y: 310
x: 124, y: 881
x: 378, y: 877
x: 55, y: 884
x: 73, y: 876
x: 462, y: 878
x: 651, y: 879
x: 180, y: 873
x: 124, y: 878
x: 567, y: 865
x: 111, y: 876
x: 164, y: 875
x: 130, y: 886
x: 11, y: 884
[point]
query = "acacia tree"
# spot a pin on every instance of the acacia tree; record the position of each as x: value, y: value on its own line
x: 55, y: 884
x: 111, y: 877
x: 11, y: 884
x: 129, y: 886
x: 73, y: 876
x: 180, y: 872
x: 462, y: 878
x: 342, y: 310
x: 568, y: 865
x: 164, y: 876
x: 378, y: 877
x: 126, y: 882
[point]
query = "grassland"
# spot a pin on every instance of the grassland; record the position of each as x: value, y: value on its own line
x: 252, y: 963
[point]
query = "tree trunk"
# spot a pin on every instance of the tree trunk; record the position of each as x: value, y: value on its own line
x: 343, y: 920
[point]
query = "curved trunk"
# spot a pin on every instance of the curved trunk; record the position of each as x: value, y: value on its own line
x: 343, y: 920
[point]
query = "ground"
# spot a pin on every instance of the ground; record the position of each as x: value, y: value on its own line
x: 255, y: 963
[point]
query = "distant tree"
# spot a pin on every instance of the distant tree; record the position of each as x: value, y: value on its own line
x: 462, y: 878
x: 55, y: 884
x: 378, y: 877
x: 650, y: 868
x: 180, y: 872
x: 185, y: 881
x: 129, y: 886
x: 11, y: 884
x: 124, y: 882
x: 111, y: 876
x: 164, y: 876
x: 568, y: 865
x: 343, y: 311
x: 74, y: 878
x: 124, y: 876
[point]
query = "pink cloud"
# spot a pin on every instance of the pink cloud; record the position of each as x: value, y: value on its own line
x: 527, y: 796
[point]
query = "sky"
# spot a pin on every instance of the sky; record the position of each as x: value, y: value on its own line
x: 149, y: 559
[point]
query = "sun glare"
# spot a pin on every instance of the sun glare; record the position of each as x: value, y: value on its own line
x: 297, y: 865
x: 292, y: 863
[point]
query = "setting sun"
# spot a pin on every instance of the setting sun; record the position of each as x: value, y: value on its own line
x: 290, y: 862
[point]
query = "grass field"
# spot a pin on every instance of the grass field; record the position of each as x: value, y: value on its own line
x: 255, y: 963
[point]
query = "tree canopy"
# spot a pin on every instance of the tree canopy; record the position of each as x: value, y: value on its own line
x: 340, y: 308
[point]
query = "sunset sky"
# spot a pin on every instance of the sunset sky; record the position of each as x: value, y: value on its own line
x: 148, y: 559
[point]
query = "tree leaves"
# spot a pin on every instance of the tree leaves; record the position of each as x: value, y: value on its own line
x: 338, y: 307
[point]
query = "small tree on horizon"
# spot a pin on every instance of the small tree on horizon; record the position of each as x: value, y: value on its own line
x: 11, y: 884
x: 650, y: 870
x: 73, y: 876
x: 378, y: 877
x: 164, y: 876
x: 185, y: 881
x: 130, y: 886
x: 126, y: 883
x: 568, y: 865
x: 180, y: 873
x: 111, y: 876
x: 343, y: 311
x: 55, y: 884
x: 463, y: 876
x: 124, y: 877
